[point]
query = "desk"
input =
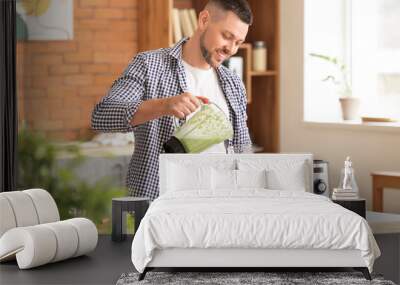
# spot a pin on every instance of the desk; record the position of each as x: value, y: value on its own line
x: 380, y: 181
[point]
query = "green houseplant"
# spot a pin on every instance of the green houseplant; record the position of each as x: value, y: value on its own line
x: 349, y: 104
x: 37, y: 168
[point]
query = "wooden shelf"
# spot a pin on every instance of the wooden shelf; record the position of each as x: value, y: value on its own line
x: 262, y: 88
x: 264, y: 73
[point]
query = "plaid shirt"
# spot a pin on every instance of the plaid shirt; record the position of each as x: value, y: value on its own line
x: 160, y: 74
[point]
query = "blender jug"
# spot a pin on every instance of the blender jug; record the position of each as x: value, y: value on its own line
x: 207, y: 127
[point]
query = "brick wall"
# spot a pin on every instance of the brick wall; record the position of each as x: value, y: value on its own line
x: 64, y: 79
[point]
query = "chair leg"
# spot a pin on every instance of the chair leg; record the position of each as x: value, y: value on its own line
x: 143, y: 274
x: 364, y: 271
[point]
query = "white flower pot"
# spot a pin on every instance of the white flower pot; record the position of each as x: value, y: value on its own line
x: 350, y: 108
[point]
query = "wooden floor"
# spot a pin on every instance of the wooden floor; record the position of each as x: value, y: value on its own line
x: 102, y: 266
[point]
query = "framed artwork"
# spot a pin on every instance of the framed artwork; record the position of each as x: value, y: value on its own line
x: 45, y: 19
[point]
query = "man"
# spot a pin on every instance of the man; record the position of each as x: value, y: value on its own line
x: 162, y: 84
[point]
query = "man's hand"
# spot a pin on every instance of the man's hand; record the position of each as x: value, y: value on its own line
x: 183, y: 104
x: 179, y: 106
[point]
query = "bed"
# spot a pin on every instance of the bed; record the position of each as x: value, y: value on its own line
x: 247, y: 210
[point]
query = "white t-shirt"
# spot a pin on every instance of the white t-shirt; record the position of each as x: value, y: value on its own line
x: 204, y: 82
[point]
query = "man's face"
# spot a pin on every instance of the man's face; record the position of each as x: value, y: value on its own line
x: 221, y: 38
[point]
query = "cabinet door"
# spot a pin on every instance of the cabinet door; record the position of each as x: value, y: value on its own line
x: 154, y: 24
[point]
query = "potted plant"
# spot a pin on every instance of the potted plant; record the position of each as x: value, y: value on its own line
x: 350, y: 105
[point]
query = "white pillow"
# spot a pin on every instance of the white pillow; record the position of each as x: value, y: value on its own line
x: 183, y: 177
x: 289, y: 179
x: 282, y: 174
x: 223, y: 179
x: 251, y: 178
x: 227, y: 179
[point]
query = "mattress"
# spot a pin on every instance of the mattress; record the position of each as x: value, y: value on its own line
x: 250, y: 219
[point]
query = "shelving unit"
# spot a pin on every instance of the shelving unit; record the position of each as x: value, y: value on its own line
x: 155, y: 31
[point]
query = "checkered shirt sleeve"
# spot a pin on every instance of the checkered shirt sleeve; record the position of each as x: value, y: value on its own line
x: 114, y: 113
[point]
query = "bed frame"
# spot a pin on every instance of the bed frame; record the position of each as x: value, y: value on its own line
x: 246, y: 259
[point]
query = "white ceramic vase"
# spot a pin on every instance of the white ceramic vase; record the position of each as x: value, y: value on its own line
x: 350, y: 108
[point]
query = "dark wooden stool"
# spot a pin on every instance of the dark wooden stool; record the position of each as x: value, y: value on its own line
x: 122, y: 205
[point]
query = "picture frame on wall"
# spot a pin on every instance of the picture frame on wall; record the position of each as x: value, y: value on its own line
x: 45, y: 19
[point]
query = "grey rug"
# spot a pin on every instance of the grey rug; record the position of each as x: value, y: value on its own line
x: 269, y: 278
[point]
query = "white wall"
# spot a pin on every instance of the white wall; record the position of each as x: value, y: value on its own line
x: 370, y: 149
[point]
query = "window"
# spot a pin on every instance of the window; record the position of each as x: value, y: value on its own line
x: 363, y: 34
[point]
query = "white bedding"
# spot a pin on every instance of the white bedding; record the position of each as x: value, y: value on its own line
x: 252, y: 218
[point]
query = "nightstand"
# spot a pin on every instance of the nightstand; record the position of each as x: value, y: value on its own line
x: 120, y: 206
x: 355, y: 205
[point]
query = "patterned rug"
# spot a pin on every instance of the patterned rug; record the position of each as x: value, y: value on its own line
x: 243, y: 278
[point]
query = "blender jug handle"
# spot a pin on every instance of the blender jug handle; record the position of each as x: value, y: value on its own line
x: 177, y: 121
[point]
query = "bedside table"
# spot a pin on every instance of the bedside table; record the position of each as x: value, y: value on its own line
x: 120, y: 206
x: 356, y: 205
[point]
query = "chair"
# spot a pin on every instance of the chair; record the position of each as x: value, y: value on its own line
x: 31, y: 231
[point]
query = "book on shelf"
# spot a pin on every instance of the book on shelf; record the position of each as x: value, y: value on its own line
x: 344, y: 194
x: 344, y: 198
x: 193, y: 18
x: 184, y: 23
x: 176, y: 25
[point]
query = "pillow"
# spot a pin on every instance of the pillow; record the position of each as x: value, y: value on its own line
x: 223, y: 179
x: 183, y: 177
x: 251, y: 178
x: 226, y: 179
x: 289, y: 179
x: 282, y: 174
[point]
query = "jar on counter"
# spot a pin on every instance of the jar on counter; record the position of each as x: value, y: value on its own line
x: 259, y: 56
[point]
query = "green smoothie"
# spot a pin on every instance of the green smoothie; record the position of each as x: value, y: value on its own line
x: 209, y: 126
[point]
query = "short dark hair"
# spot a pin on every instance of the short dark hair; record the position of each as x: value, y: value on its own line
x: 240, y: 7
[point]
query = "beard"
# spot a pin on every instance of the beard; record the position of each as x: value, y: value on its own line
x: 207, y: 54
x: 204, y: 51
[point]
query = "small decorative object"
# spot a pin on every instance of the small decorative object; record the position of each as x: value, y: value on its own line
x: 235, y: 63
x: 320, y: 177
x: 378, y: 120
x: 350, y: 106
x: 348, y: 188
x: 259, y: 56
